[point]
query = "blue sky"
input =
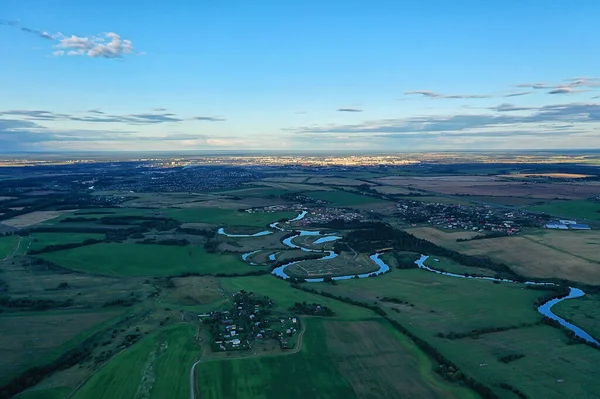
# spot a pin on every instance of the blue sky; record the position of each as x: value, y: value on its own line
x: 364, y: 75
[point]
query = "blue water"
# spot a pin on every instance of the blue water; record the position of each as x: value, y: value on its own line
x: 261, y: 233
x: 326, y: 239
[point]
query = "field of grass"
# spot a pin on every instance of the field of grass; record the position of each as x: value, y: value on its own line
x: 156, y: 367
x: 443, y: 238
x: 532, y: 259
x: 41, y: 240
x: 227, y: 217
x: 338, y: 359
x: 578, y: 243
x: 8, y: 245
x: 448, y: 265
x: 145, y: 260
x: 438, y: 304
x: 584, y: 313
x: 585, y: 210
x: 345, y: 264
x: 45, y: 336
x: 342, y: 198
x: 285, y: 297
x: 50, y: 393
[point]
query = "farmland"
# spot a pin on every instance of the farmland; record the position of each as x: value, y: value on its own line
x: 109, y: 297
x: 585, y: 210
x: 157, y: 367
x: 433, y: 305
x: 338, y: 359
x: 145, y: 260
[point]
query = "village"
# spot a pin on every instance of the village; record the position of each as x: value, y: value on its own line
x: 250, y: 319
x: 475, y: 218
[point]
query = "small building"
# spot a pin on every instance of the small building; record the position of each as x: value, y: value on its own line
x: 579, y: 226
x: 555, y: 225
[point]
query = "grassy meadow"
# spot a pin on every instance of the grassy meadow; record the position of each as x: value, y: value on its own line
x: 145, y: 260
x: 7, y: 245
x: 342, y: 198
x: 156, y: 367
x: 578, y: 209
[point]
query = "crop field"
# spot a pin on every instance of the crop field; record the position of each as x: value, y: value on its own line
x: 40, y: 335
x: 392, y: 190
x: 432, y: 304
x: 32, y: 218
x: 7, y: 245
x: 342, y: 265
x: 491, y: 186
x: 441, y: 237
x: 528, y: 258
x: 511, y: 201
x: 145, y: 260
x: 341, y: 198
x: 580, y: 244
x: 337, y: 360
x: 156, y: 367
x: 586, y: 210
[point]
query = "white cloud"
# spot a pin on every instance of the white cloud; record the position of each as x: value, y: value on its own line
x: 109, y: 46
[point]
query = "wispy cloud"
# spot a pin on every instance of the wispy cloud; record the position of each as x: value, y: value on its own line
x: 435, y: 95
x: 567, y: 86
x: 518, y: 94
x: 97, y: 117
x: 96, y: 111
x: 208, y: 119
x: 159, y: 109
x: 509, y: 107
x: 349, y: 110
x: 578, y: 113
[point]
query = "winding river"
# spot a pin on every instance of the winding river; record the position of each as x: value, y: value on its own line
x: 545, y: 309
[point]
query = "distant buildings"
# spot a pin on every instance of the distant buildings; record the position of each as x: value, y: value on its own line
x: 567, y: 225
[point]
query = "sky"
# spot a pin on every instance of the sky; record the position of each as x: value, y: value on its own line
x: 415, y: 75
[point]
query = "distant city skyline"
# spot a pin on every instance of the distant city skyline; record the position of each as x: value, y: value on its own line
x: 333, y: 76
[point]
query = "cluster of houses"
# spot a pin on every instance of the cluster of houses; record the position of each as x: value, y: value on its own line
x: 319, y: 216
x: 567, y: 225
x: 476, y: 218
x: 250, y: 319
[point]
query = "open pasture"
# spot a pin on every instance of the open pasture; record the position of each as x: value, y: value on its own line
x: 29, y: 337
x: 579, y: 243
x: 145, y: 260
x: 491, y: 186
x: 584, y: 312
x: 8, y: 245
x: 532, y: 259
x: 338, y: 359
x: 586, y: 210
x: 156, y: 367
x: 441, y: 237
x: 345, y: 264
x: 32, y: 218
x: 433, y: 304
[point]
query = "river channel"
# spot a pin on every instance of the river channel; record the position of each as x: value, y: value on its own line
x: 545, y: 309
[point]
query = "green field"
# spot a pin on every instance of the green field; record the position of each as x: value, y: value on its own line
x: 156, y: 367
x: 338, y: 359
x: 8, y: 245
x: 586, y: 210
x: 41, y: 240
x: 583, y: 312
x: 342, y: 198
x: 227, y: 217
x: 145, y: 260
x: 440, y: 304
x: 309, y: 373
x: 284, y: 296
x: 50, y: 393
